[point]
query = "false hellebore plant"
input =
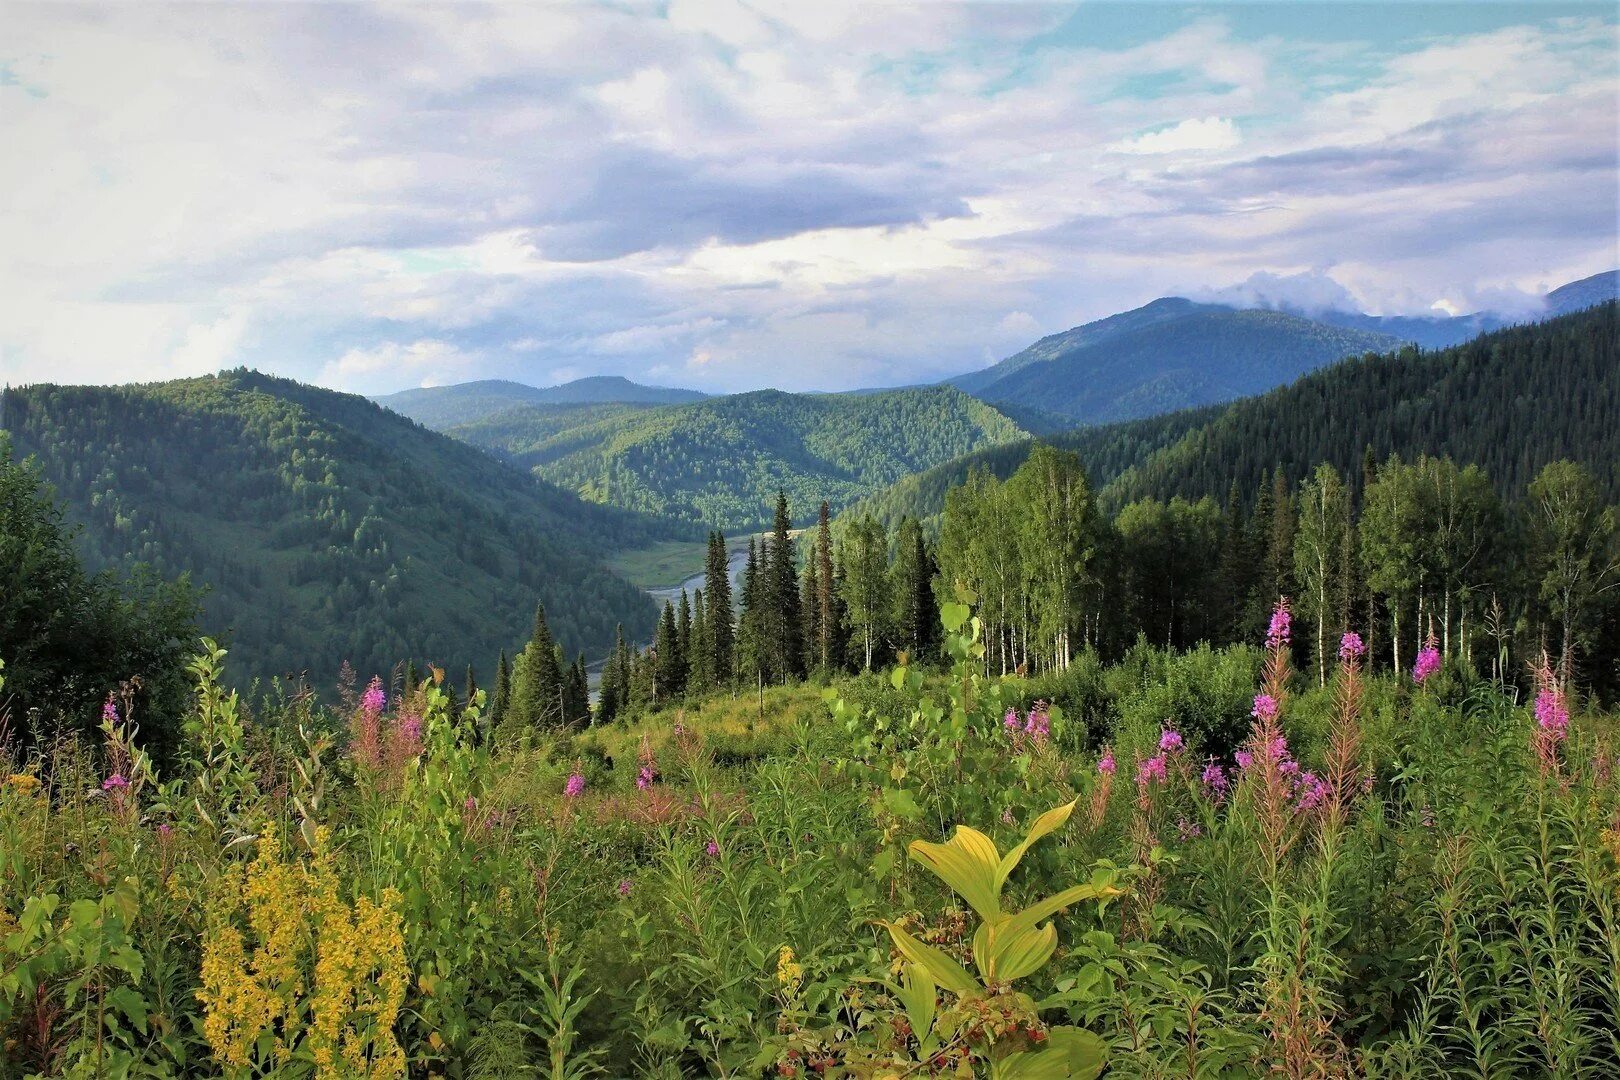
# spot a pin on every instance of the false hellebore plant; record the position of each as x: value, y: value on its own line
x: 1000, y: 1025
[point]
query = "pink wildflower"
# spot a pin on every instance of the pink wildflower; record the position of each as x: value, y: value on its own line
x: 1428, y: 662
x: 1281, y: 622
x: 1169, y: 741
x: 712, y: 848
x: 1215, y: 780
x: 1039, y: 725
x: 1188, y: 830
x: 575, y: 785
x: 1151, y: 770
x: 165, y: 831
x: 109, y: 711
x: 113, y: 782
x: 625, y: 887
x: 1010, y: 721
x: 645, y: 777
x: 1265, y: 708
x: 1351, y: 647
x: 1552, y: 714
x: 1312, y: 790
x: 1243, y: 758
x: 1106, y: 764
x: 375, y: 699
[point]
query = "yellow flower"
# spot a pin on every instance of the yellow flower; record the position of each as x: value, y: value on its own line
x: 23, y: 782
x: 788, y: 973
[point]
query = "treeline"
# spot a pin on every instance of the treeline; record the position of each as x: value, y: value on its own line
x: 1409, y: 554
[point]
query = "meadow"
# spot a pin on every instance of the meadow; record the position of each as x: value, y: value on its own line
x: 1182, y: 864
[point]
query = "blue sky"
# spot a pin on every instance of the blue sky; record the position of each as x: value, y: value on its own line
x: 732, y: 195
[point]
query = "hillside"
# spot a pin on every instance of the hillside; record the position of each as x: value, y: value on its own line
x: 1172, y: 354
x: 721, y: 461
x: 327, y: 527
x: 439, y: 407
x: 1510, y: 401
x: 1585, y: 293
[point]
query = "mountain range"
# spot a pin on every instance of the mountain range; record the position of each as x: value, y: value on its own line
x: 461, y: 403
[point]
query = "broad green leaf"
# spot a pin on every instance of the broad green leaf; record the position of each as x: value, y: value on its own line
x: 944, y: 970
x: 1048, y: 822
x: 1070, y: 1054
x: 901, y: 803
x: 1017, y: 952
x: 916, y: 994
x: 1057, y: 902
x: 952, y: 616
x: 967, y: 863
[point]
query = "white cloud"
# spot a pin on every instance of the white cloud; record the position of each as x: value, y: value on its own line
x: 1207, y: 133
x: 426, y: 362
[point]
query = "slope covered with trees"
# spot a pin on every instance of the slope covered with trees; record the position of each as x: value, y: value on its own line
x: 439, y: 407
x: 325, y: 527
x: 1187, y: 355
x: 722, y: 461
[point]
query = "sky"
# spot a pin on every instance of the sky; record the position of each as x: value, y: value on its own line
x: 731, y: 195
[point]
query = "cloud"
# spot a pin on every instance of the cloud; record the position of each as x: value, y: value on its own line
x: 740, y: 193
x: 1208, y: 133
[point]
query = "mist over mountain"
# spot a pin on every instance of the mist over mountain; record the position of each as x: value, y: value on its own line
x: 461, y: 403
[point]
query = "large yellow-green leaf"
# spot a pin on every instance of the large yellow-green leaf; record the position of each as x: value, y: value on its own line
x: 916, y: 994
x: 944, y: 970
x: 1048, y: 822
x: 1017, y: 951
x: 1055, y: 903
x: 1069, y: 1054
x: 969, y: 864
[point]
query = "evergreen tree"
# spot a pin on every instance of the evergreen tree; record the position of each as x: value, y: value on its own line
x: 537, y: 679
x: 577, y: 691
x: 1236, y: 571
x: 669, y: 666
x: 782, y: 597
x: 750, y: 658
x: 699, y: 650
x: 911, y: 589
x: 810, y: 613
x: 623, y: 671
x: 722, y: 630
x: 501, y: 703
x: 607, y: 702
x: 826, y: 619
x: 683, y: 634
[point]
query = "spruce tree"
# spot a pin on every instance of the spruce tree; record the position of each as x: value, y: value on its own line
x: 826, y: 617
x: 502, y: 700
x: 699, y: 651
x: 607, y: 702
x: 623, y: 671
x: 810, y: 616
x: 683, y: 634
x: 722, y: 632
x: 537, y: 681
x: 668, y: 664
x: 750, y: 636
x: 783, y: 596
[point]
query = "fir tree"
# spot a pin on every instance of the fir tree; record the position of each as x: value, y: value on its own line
x: 782, y: 597
x: 810, y: 614
x: 669, y: 666
x: 826, y: 618
x: 717, y: 588
x: 502, y: 700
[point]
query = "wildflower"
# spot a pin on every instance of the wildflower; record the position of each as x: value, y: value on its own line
x: 375, y: 699
x: 1106, y: 764
x: 1312, y: 790
x: 645, y: 777
x: 712, y: 848
x: 1189, y: 830
x: 109, y: 711
x: 624, y: 887
x: 1265, y: 708
x: 165, y: 831
x: 1169, y: 741
x: 114, y: 781
x: 575, y: 785
x: 1351, y: 647
x: 469, y: 804
x: 1151, y: 770
x: 1010, y: 721
x: 1281, y: 622
x: 23, y: 782
x: 789, y: 973
x: 1215, y: 780
x: 1039, y: 725
x: 1552, y: 714
x: 1428, y: 662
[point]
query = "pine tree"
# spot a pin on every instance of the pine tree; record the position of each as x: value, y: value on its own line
x: 750, y: 633
x: 782, y: 596
x: 666, y: 656
x: 699, y: 651
x: 623, y: 671
x: 722, y: 631
x: 607, y: 702
x: 577, y: 692
x: 502, y: 701
x: 537, y: 679
x: 683, y: 634
x: 916, y: 615
x: 810, y: 614
x: 826, y: 617
x: 1280, y: 548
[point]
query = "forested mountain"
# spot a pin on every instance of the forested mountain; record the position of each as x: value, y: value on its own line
x: 1510, y: 401
x: 722, y: 461
x: 440, y: 407
x: 1174, y: 354
x: 326, y: 527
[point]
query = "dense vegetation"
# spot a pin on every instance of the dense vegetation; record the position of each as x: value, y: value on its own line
x: 439, y: 407
x: 324, y: 527
x: 1511, y: 402
x: 1203, y: 866
x: 720, y: 461
x: 1172, y: 354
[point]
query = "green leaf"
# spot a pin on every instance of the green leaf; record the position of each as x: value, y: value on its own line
x: 1055, y: 903
x: 968, y: 863
x: 1018, y: 951
x: 1069, y: 1054
x: 1048, y: 822
x: 945, y: 971
x: 952, y: 616
x: 917, y: 994
x: 902, y: 804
